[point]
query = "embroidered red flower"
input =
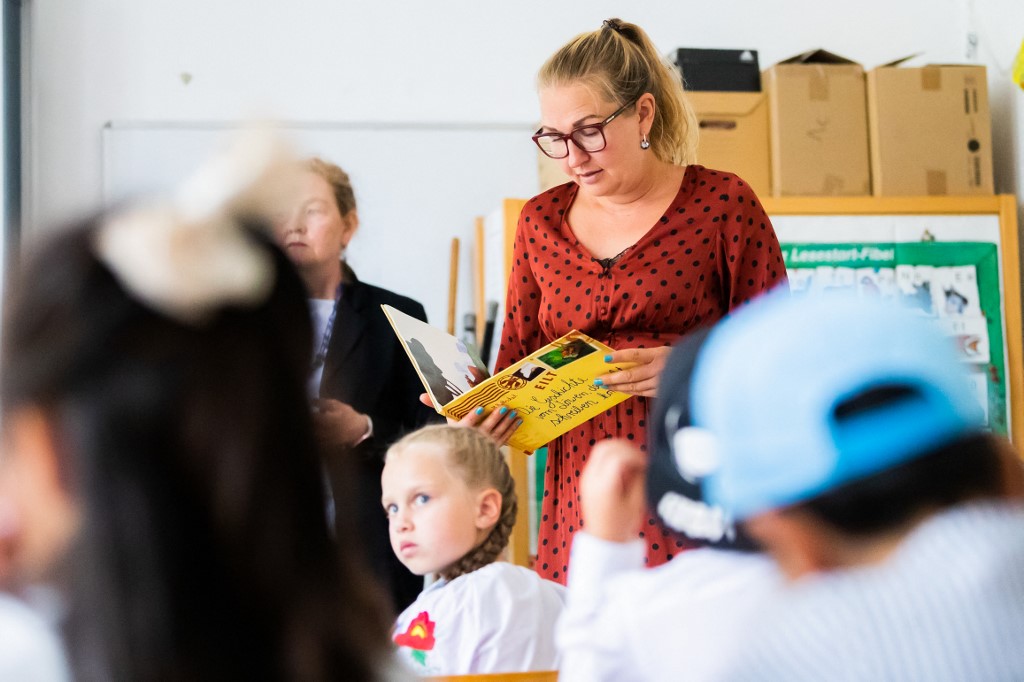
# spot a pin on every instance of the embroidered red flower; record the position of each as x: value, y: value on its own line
x: 419, y: 635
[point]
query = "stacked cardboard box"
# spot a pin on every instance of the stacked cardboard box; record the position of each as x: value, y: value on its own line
x: 724, y: 87
x: 734, y: 135
x: 819, y: 131
x: 821, y: 127
x: 930, y: 130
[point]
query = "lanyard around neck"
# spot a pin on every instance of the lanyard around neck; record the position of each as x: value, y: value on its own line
x: 325, y: 340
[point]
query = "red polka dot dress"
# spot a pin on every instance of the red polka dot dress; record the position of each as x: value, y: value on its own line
x: 711, y: 251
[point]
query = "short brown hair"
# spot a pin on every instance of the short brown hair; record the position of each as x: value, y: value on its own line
x: 338, y: 179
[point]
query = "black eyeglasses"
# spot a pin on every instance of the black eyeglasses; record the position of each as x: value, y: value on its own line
x: 589, y: 138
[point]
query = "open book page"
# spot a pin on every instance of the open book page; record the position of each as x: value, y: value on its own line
x: 552, y: 389
x: 445, y: 364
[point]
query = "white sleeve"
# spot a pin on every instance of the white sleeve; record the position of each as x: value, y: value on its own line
x: 515, y: 620
x: 590, y: 635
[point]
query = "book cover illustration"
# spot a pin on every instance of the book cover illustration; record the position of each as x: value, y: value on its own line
x: 552, y: 389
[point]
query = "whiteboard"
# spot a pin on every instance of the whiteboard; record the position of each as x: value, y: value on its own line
x: 416, y: 185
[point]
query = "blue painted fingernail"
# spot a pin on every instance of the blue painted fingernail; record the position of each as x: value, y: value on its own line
x: 598, y: 382
x: 519, y: 422
x: 607, y: 358
x: 512, y: 414
x: 479, y: 410
x: 503, y: 410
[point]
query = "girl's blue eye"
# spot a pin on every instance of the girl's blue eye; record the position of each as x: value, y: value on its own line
x: 423, y: 498
x: 391, y: 509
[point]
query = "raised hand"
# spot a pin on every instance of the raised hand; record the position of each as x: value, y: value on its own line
x: 612, y: 491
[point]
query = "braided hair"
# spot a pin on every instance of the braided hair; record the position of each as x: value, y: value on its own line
x: 479, y: 462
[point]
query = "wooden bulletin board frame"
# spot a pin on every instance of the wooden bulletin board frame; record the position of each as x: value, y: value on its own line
x: 1003, y: 207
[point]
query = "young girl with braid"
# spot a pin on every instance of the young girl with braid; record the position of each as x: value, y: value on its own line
x: 451, y: 504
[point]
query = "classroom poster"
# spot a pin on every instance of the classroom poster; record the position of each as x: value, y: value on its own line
x: 956, y: 283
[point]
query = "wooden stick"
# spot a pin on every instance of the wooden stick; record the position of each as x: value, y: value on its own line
x: 519, y: 541
x: 481, y: 289
x: 453, y: 285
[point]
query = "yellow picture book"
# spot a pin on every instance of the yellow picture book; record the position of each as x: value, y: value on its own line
x: 552, y: 389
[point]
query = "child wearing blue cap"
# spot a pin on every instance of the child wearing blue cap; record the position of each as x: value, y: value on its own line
x: 850, y: 444
x: 680, y: 620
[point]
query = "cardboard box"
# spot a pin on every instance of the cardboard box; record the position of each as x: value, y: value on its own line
x: 819, y: 128
x: 930, y: 130
x: 734, y: 135
x: 718, y: 70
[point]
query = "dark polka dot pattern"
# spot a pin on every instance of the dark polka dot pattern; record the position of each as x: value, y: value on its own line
x: 713, y: 250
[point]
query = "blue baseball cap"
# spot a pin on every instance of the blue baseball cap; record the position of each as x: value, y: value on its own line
x: 771, y: 381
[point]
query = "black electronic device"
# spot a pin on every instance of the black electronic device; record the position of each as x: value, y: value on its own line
x: 718, y: 70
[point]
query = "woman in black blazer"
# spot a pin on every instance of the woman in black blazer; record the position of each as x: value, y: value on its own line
x: 365, y: 390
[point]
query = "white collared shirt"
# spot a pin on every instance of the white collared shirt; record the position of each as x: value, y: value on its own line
x: 499, y: 618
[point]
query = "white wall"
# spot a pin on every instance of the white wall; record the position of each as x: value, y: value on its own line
x: 999, y: 27
x: 94, y: 61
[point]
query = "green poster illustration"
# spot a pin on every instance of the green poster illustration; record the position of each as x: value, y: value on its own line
x: 955, y: 282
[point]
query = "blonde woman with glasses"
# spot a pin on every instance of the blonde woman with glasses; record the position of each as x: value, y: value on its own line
x: 639, y: 247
